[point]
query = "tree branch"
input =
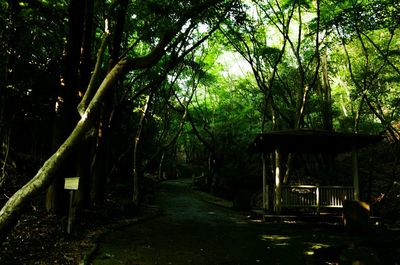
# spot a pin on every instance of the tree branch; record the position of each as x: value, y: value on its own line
x: 91, y: 89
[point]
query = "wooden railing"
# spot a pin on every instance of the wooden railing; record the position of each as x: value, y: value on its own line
x: 316, y: 196
x: 313, y: 196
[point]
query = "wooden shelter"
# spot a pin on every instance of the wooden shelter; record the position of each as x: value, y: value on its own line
x: 310, y: 141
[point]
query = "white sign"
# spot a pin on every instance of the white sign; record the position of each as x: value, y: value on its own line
x: 71, y: 183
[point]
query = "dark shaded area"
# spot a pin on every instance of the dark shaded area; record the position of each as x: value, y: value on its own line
x: 311, y: 141
x: 42, y: 238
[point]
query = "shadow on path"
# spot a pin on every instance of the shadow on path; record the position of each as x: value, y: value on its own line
x: 192, y: 231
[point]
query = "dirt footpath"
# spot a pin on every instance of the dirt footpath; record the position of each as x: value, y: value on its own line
x: 191, y: 230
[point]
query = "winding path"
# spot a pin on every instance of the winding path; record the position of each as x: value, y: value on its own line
x: 193, y: 231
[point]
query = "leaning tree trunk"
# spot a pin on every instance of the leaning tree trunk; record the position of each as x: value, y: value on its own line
x: 14, y: 207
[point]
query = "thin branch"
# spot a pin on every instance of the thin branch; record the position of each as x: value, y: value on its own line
x: 384, y: 56
x: 91, y: 89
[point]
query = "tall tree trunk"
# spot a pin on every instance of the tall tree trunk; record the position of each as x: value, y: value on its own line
x: 101, y: 165
x: 161, y: 166
x: 82, y: 195
x: 100, y: 159
x: 4, y: 153
x: 86, y: 62
x: 118, y: 31
x: 84, y: 168
x: 136, y: 160
x: 66, y: 114
x: 325, y: 96
x: 83, y: 160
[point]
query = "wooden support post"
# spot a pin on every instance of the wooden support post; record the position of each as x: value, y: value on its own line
x: 71, y: 184
x: 71, y: 212
x: 264, y: 174
x: 277, y: 183
x: 356, y: 183
x: 317, y: 198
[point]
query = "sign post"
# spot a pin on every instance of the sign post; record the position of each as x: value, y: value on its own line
x: 71, y: 184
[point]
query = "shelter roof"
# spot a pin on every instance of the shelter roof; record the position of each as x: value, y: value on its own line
x: 311, y: 141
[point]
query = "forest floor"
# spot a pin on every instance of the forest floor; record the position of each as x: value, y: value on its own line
x: 192, y: 228
x: 41, y: 238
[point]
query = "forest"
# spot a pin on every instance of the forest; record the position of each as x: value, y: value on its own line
x: 122, y: 94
